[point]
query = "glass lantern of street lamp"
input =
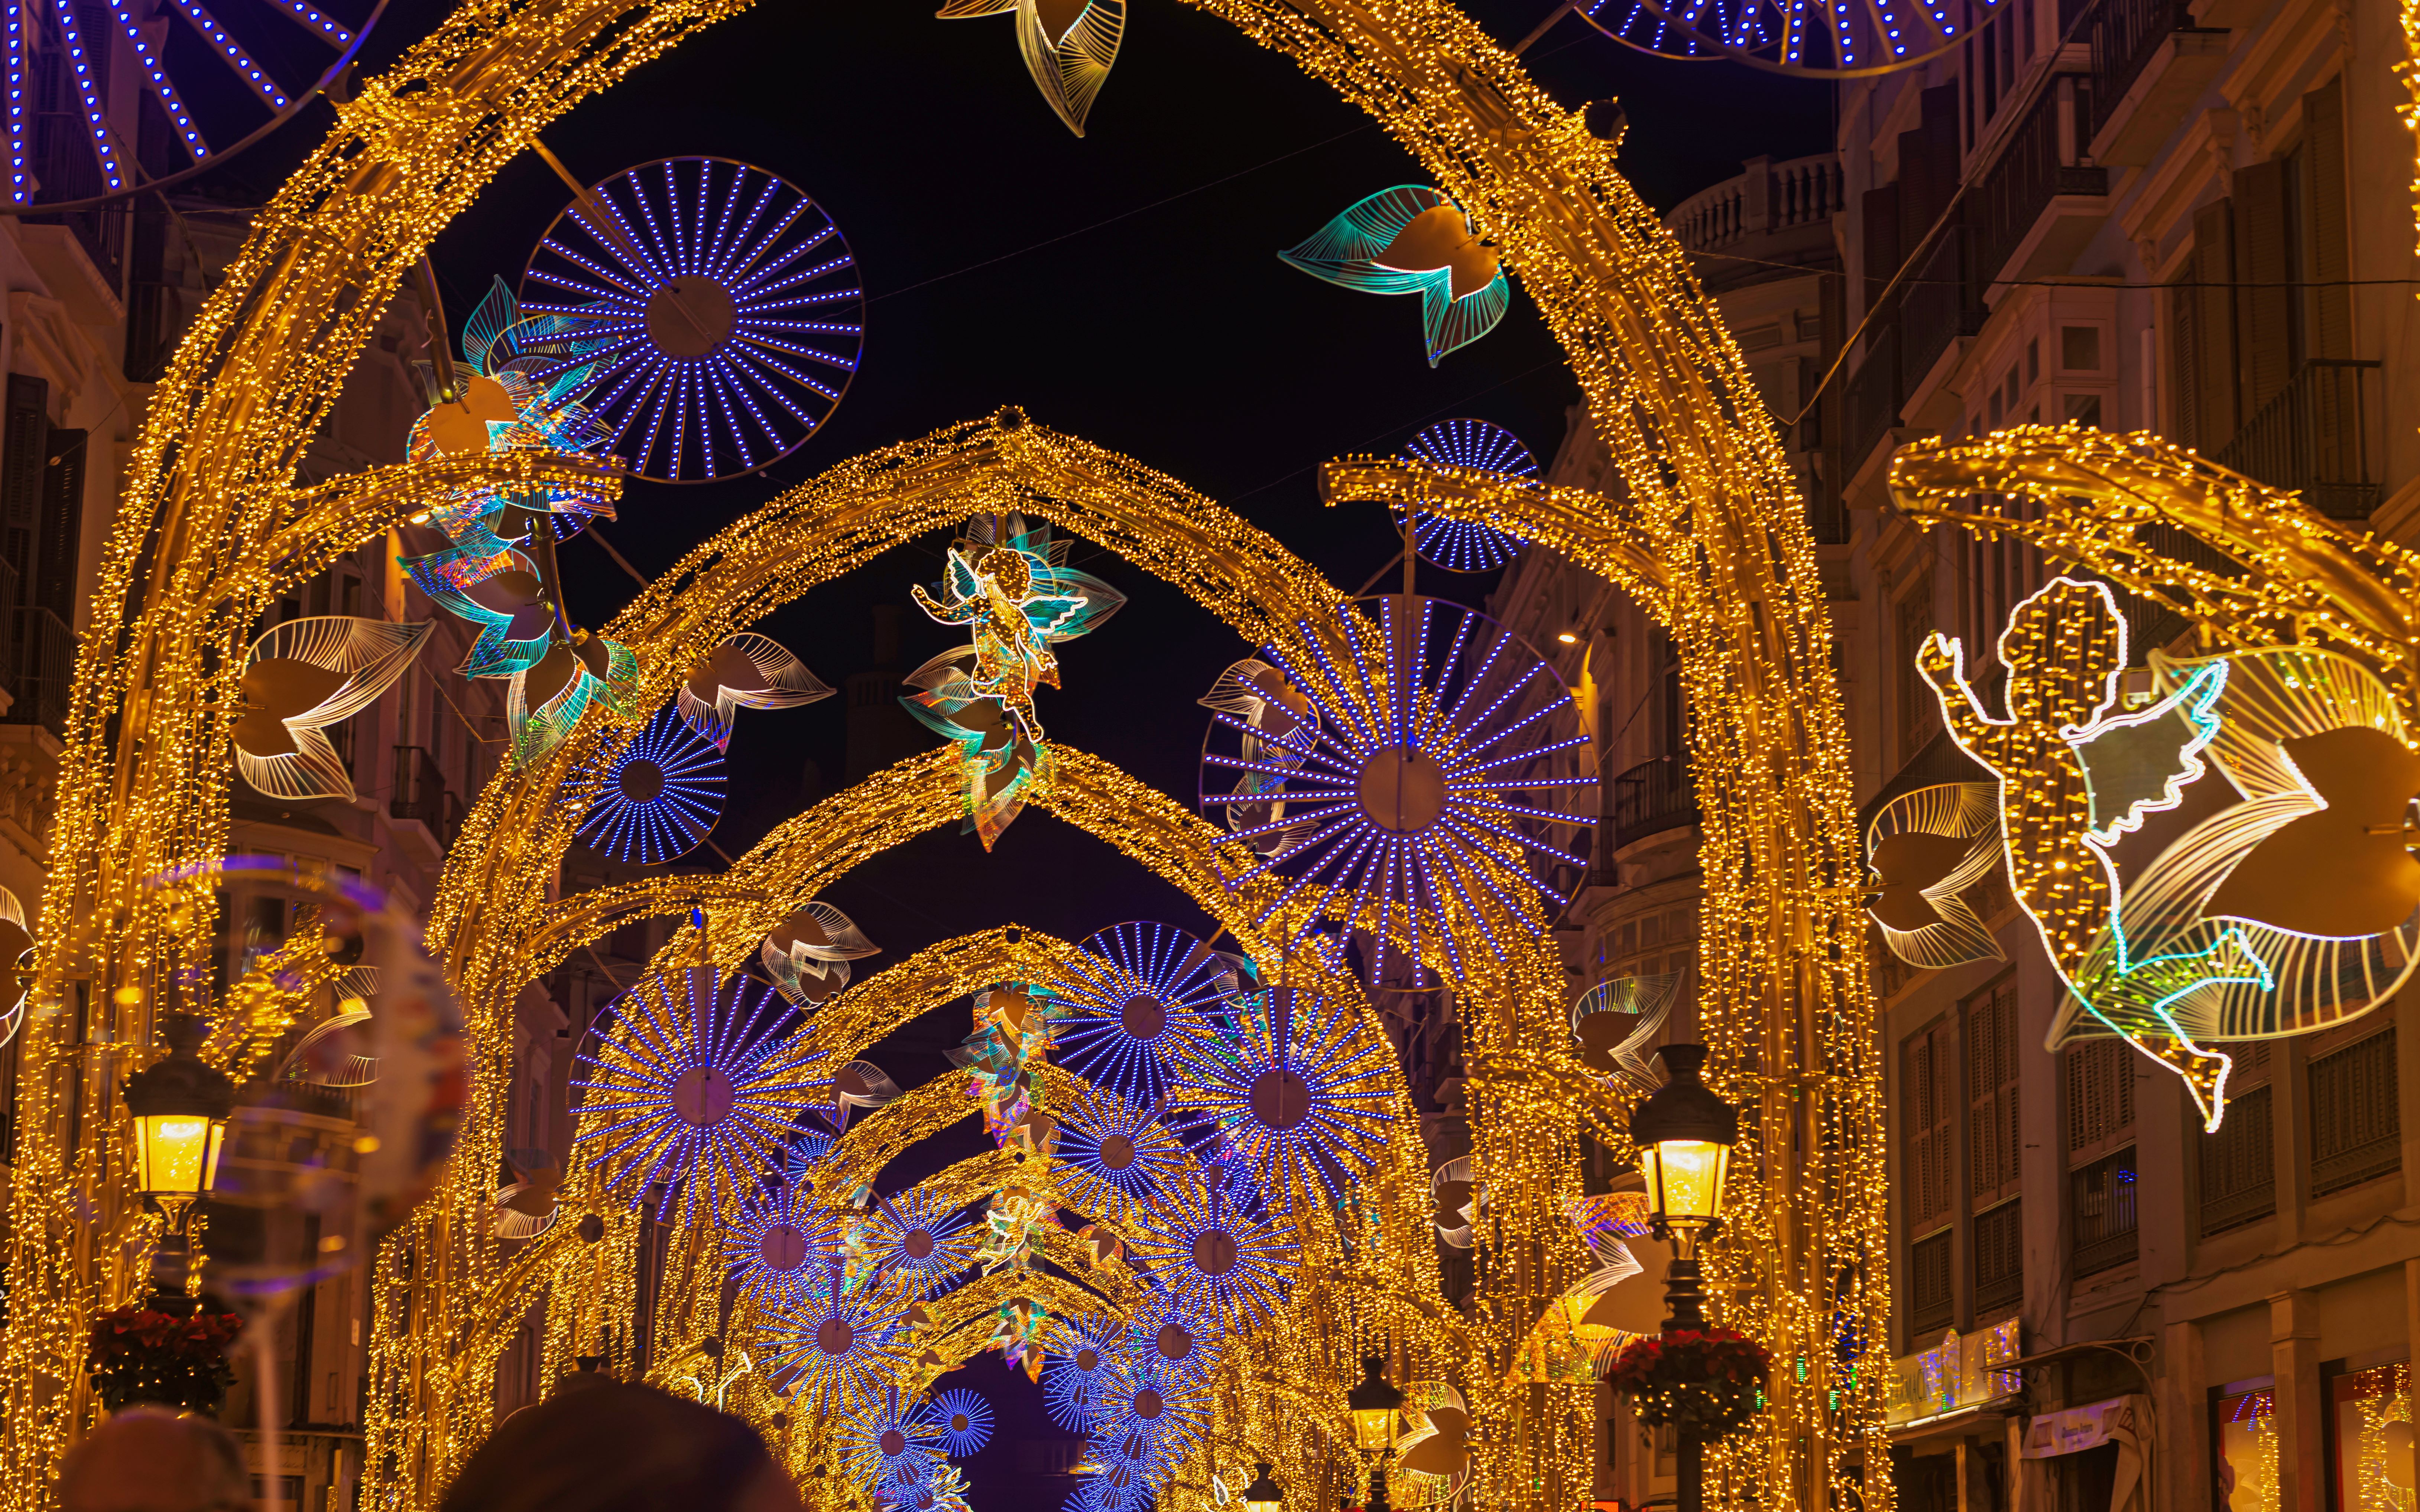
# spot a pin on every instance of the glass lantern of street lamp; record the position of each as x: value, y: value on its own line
x: 179, y: 1106
x: 1684, y: 1134
x: 1374, y: 1405
x: 1262, y: 1494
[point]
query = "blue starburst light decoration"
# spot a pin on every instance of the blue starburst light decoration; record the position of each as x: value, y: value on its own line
x: 963, y: 1420
x: 695, y: 1091
x: 839, y: 1346
x: 1112, y: 1154
x: 1167, y: 1409
x: 1218, y: 1259
x: 1171, y: 1332
x: 718, y: 305
x: 922, y: 1241
x: 781, y: 1245
x: 884, y: 1441
x: 1458, y: 546
x: 1072, y: 1378
x: 1297, y: 1092
x: 1129, y: 995
x: 660, y: 795
x: 1432, y: 794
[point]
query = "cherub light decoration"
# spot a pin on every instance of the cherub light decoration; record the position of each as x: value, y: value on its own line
x: 1068, y: 46
x: 302, y: 677
x: 1011, y: 585
x: 1412, y: 239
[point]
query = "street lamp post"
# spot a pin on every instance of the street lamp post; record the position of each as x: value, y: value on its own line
x: 1262, y: 1494
x: 179, y: 1106
x: 1684, y: 1134
x: 1376, y: 1404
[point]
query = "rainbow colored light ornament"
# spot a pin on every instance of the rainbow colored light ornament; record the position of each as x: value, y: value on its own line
x: 1128, y: 996
x: 660, y: 796
x: 1412, y: 240
x: 547, y: 699
x: 696, y: 1084
x: 1012, y: 1035
x: 1010, y: 583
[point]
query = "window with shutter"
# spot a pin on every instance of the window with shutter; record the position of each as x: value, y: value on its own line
x: 1999, y: 1248
x: 2267, y: 247
x: 1993, y: 1144
x: 1919, y: 708
x: 1933, y: 1089
x: 2328, y: 222
x: 2100, y: 1099
x: 1930, y: 1303
x: 2356, y: 1132
x: 2239, y: 1165
x: 2217, y: 413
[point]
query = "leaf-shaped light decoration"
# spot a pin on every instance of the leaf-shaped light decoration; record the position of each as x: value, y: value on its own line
x: 1283, y: 730
x: 747, y: 669
x: 863, y: 1085
x: 1412, y: 240
x: 528, y: 1206
x: 2293, y: 909
x: 304, y: 676
x: 16, y: 960
x: 547, y: 699
x: 808, y: 953
x: 1618, y: 1024
x: 516, y: 622
x: 1435, y: 1455
x: 1068, y: 46
x: 336, y: 1050
x: 1925, y: 849
x: 1456, y: 1193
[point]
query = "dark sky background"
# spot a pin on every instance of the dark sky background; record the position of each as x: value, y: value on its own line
x: 1122, y: 287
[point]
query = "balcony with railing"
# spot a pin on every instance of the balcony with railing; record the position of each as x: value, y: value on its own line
x: 2010, y: 198
x: 2107, y: 1235
x: 1771, y: 212
x: 44, y: 655
x: 421, y: 794
x: 1651, y: 797
x: 2312, y: 438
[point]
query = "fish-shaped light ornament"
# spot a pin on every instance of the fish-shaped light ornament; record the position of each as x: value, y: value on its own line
x: 1412, y: 239
x: 300, y: 678
x: 1925, y: 850
x: 808, y: 953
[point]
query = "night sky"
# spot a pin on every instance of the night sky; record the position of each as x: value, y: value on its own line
x: 1171, y: 333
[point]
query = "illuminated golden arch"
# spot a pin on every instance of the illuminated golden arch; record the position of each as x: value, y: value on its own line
x: 207, y: 506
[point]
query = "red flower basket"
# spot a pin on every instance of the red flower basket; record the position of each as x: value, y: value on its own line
x: 1710, y: 1379
x: 138, y: 1355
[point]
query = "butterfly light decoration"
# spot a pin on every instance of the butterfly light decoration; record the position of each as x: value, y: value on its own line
x: 1412, y: 240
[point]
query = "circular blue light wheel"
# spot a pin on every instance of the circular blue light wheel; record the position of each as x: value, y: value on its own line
x: 219, y: 81
x: 1837, y: 39
x: 661, y: 795
x: 721, y: 314
x: 1454, y: 545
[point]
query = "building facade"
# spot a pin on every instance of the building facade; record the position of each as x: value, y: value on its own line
x: 2188, y: 218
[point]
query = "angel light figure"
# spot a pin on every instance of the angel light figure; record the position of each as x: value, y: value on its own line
x: 1011, y: 585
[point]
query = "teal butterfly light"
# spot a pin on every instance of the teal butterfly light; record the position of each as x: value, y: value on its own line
x: 1412, y: 240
